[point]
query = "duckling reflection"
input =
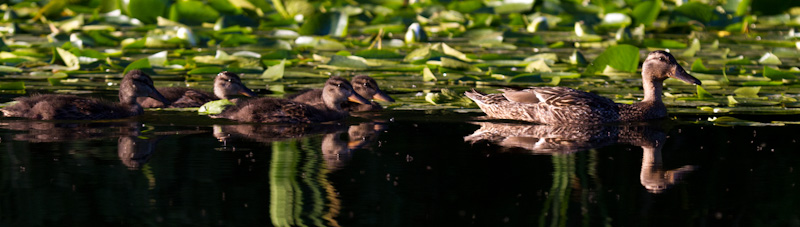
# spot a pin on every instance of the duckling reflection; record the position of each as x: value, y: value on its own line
x: 133, y: 149
x: 47, y: 132
x: 266, y: 133
x: 564, y: 139
x: 335, y: 147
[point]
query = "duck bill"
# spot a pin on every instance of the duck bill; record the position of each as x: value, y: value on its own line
x: 247, y: 92
x: 381, y: 96
x: 156, y: 95
x: 683, y: 75
x: 352, y: 145
x: 357, y: 99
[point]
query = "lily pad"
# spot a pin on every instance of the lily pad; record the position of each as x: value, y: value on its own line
x: 621, y: 57
x: 274, y: 72
x: 214, y: 107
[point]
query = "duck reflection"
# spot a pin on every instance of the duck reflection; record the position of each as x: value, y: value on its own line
x: 133, y: 148
x: 567, y: 139
x: 338, y: 140
x: 302, y: 157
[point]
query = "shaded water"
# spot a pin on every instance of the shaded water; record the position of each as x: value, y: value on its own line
x: 399, y: 168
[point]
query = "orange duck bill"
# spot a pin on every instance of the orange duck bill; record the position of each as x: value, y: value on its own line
x: 357, y: 99
x: 382, y: 96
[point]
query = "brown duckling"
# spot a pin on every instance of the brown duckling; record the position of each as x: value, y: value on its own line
x: 337, y: 90
x: 71, y: 107
x: 562, y: 105
x: 226, y: 85
x: 362, y: 84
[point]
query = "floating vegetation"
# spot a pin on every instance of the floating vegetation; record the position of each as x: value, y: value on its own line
x: 412, y: 48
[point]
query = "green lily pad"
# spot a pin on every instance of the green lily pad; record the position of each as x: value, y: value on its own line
x: 274, y: 72
x: 769, y: 59
x: 56, y: 78
x: 214, y: 107
x: 142, y: 64
x: 747, y: 92
x: 702, y: 93
x: 205, y: 70
x: 776, y: 74
x: 69, y: 59
x: 16, y: 85
x: 9, y: 69
x: 427, y: 75
x: 621, y: 57
x: 646, y: 12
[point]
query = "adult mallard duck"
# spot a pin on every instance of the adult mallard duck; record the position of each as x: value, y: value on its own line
x: 337, y: 90
x: 70, y: 107
x: 561, y: 105
x: 226, y: 85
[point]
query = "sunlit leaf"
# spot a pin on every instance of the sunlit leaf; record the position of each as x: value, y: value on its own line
x: 538, y: 66
x: 702, y: 93
x: 427, y: 75
x: 9, y: 69
x: 747, y: 92
x: 769, y: 59
x: 274, y: 72
x: 69, y: 59
x: 214, y: 107
x: 698, y: 66
x: 621, y: 57
x: 158, y: 59
x: 143, y: 64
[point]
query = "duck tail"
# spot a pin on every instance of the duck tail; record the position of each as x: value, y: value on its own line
x: 476, y: 96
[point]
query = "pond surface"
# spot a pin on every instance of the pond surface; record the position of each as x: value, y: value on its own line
x: 394, y: 168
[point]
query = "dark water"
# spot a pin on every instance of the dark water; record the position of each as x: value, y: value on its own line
x: 401, y: 168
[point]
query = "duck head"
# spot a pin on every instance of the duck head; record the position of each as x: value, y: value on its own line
x: 368, y: 88
x: 227, y: 84
x: 660, y: 65
x: 138, y: 84
x: 337, y: 90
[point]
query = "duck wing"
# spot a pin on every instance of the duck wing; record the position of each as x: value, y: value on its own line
x: 557, y: 96
x: 562, y: 105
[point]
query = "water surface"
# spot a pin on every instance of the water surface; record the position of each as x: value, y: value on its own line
x: 399, y: 168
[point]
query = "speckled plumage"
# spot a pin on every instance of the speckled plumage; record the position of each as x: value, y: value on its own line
x: 226, y: 85
x: 70, y: 107
x: 561, y: 105
x: 272, y: 110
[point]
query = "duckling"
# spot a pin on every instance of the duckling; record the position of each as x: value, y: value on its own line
x: 337, y: 90
x: 70, y: 107
x: 561, y: 105
x: 226, y: 84
x: 362, y: 84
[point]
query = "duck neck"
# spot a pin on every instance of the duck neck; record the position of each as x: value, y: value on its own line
x: 652, y: 90
x: 131, y: 102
